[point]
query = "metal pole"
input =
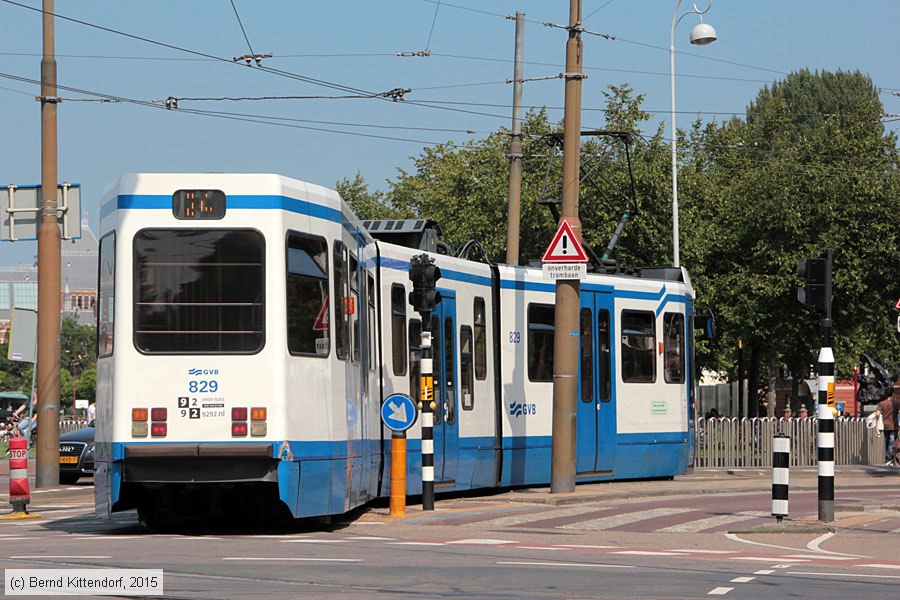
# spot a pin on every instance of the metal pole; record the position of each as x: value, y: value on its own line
x: 675, y: 245
x: 47, y: 472
x: 781, y: 463
x: 568, y: 291
x: 741, y: 379
x: 427, y: 395
x: 398, y: 474
x: 515, y: 149
x: 825, y: 437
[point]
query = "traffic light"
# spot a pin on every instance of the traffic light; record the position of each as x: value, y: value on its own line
x: 424, y: 274
x: 816, y: 272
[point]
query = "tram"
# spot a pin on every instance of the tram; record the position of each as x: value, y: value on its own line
x: 250, y: 327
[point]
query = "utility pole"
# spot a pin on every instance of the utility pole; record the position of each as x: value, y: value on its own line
x: 515, y: 149
x: 47, y: 472
x: 568, y: 291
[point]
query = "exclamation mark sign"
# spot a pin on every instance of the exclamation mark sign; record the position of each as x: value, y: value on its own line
x: 565, y: 244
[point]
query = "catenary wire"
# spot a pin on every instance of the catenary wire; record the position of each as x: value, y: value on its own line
x: 252, y: 53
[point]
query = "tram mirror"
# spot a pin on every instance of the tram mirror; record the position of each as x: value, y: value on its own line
x: 707, y: 327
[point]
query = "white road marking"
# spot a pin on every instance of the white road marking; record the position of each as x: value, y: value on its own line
x: 733, y: 536
x: 814, y: 546
x: 719, y: 591
x: 595, y: 547
x: 106, y: 538
x: 646, y: 553
x: 784, y: 566
x: 416, y: 543
x: 604, y: 523
x: 367, y: 537
x: 695, y: 551
x: 880, y: 566
x: 309, y: 541
x: 66, y: 556
x: 561, y: 564
x: 764, y: 572
x: 819, y: 557
x: 842, y: 575
x: 542, y: 548
x: 15, y: 539
x: 480, y: 542
x: 768, y: 559
x: 536, y: 516
x: 194, y: 538
x: 742, y: 579
x: 711, y: 522
x: 293, y: 558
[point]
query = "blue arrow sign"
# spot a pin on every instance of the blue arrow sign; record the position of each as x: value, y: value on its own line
x: 399, y: 412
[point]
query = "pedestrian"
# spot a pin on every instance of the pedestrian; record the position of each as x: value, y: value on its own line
x: 803, y: 413
x: 92, y: 412
x: 26, y: 422
x: 889, y: 409
x: 788, y: 413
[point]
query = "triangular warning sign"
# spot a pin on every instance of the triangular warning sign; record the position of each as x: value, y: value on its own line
x: 321, y: 322
x: 565, y: 247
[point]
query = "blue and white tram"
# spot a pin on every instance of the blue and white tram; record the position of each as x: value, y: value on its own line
x: 249, y: 327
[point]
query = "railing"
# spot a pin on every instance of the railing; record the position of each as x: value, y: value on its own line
x: 724, y: 442
x: 67, y: 425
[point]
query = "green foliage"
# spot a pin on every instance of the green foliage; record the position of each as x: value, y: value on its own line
x: 809, y: 167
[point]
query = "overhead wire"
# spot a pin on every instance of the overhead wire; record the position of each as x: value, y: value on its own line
x: 252, y: 53
x: 433, y: 21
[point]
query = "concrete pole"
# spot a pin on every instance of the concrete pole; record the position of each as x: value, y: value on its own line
x: 47, y: 471
x: 568, y: 291
x: 515, y: 149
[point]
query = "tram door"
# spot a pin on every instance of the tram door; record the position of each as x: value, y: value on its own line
x: 596, y: 409
x: 446, y: 423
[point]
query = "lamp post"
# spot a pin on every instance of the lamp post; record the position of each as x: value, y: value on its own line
x: 701, y: 34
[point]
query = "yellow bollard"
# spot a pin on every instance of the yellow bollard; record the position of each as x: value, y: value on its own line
x: 398, y: 475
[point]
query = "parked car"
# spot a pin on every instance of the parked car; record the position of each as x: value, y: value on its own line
x: 76, y: 455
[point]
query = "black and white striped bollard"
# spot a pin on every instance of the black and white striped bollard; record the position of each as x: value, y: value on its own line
x: 427, y: 411
x: 781, y: 462
x: 825, y: 436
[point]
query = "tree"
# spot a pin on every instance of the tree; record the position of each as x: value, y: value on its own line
x: 811, y: 167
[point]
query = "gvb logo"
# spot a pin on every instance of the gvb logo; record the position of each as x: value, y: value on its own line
x: 518, y: 409
x: 203, y: 371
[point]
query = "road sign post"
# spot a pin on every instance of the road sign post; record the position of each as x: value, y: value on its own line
x: 399, y: 414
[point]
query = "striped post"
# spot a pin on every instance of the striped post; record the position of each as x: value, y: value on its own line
x: 427, y: 408
x: 19, y: 494
x: 781, y: 462
x: 825, y: 437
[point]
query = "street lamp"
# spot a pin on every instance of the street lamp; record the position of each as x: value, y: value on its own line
x: 701, y: 34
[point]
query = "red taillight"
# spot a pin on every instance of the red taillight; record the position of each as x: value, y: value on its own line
x: 138, y: 414
x: 158, y: 429
x: 239, y: 413
x: 239, y: 429
x: 158, y: 414
x: 257, y: 413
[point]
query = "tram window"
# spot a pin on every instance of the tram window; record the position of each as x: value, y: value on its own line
x: 450, y: 369
x: 673, y: 352
x: 354, y: 309
x: 541, y: 319
x: 587, y: 356
x: 341, y: 286
x: 370, y: 292
x: 398, y: 329
x: 638, y: 347
x: 106, y: 295
x: 604, y: 358
x: 466, y: 372
x: 415, y: 359
x: 480, y: 340
x: 199, y: 291
x: 307, y: 295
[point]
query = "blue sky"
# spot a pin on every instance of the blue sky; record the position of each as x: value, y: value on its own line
x: 353, y: 44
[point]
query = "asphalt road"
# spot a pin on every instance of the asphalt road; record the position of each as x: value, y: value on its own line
x: 673, y: 546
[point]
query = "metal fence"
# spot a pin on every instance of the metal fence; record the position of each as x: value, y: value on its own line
x: 71, y: 425
x: 723, y: 442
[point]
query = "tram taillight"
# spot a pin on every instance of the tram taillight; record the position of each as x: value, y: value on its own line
x: 158, y: 429
x: 239, y: 429
x: 158, y: 414
x: 239, y: 413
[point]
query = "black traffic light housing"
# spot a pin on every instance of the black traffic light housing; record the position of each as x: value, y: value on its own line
x: 816, y: 273
x: 424, y: 275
